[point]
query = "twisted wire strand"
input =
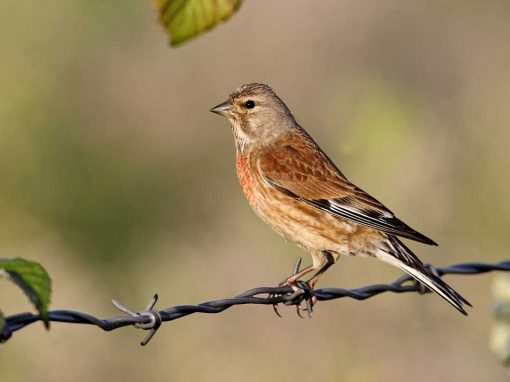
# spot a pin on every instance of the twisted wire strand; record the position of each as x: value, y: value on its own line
x: 150, y: 319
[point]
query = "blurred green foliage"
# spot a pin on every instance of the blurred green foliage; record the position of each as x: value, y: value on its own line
x: 500, y: 336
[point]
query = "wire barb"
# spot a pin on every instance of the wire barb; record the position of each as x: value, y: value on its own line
x: 151, y: 319
x: 153, y: 315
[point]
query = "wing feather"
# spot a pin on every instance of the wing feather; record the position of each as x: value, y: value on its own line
x: 302, y: 171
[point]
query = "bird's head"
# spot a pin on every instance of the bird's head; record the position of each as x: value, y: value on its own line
x: 256, y: 114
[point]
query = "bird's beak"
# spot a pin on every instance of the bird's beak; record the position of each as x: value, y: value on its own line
x: 223, y: 108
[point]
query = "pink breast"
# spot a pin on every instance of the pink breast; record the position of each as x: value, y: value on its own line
x: 246, y: 179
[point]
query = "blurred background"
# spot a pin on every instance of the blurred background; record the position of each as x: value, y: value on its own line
x: 117, y: 178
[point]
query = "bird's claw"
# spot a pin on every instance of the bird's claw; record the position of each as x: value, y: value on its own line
x: 295, y: 270
x: 275, y: 305
x: 308, y: 297
x: 303, y: 291
x: 275, y: 308
x: 307, y: 294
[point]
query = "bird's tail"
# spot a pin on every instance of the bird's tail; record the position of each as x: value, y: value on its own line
x: 400, y: 256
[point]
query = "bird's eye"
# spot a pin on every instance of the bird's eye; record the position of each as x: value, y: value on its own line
x: 249, y: 104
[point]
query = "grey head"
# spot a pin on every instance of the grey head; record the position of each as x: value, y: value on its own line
x: 257, y: 115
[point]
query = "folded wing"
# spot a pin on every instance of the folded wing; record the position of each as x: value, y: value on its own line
x: 302, y: 171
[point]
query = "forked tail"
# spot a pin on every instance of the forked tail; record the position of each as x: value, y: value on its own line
x: 400, y: 256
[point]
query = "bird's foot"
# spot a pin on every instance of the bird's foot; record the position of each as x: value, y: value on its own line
x: 306, y: 296
x: 303, y: 291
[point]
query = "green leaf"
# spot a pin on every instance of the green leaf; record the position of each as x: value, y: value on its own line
x: 184, y: 19
x: 33, y: 280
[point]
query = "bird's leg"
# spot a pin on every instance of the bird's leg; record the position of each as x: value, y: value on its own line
x: 292, y: 281
x: 330, y: 260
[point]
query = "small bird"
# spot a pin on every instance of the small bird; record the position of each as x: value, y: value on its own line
x: 293, y: 186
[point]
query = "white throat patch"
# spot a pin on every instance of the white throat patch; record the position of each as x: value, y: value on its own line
x: 241, y: 138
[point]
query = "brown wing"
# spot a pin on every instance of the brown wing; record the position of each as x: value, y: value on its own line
x: 302, y: 171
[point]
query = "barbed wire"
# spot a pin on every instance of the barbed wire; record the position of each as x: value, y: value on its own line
x: 151, y: 319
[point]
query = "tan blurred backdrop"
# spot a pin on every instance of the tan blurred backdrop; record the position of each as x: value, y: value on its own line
x: 116, y: 177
